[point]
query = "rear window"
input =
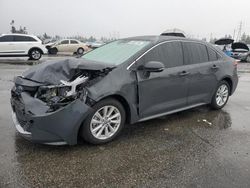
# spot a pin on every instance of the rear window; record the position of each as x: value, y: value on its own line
x: 73, y: 42
x: 194, y: 53
x: 213, y: 56
x: 24, y: 39
x: 7, y: 38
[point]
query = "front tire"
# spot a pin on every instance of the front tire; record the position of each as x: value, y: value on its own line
x: 104, y: 123
x: 53, y: 51
x: 35, y: 54
x: 80, y: 51
x: 221, y: 95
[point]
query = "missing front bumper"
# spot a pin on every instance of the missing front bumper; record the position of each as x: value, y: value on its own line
x: 19, y: 128
x: 55, y: 128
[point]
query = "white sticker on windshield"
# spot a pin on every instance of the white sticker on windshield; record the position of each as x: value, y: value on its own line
x: 137, y: 43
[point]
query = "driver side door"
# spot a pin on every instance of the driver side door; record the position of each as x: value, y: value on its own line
x: 162, y: 92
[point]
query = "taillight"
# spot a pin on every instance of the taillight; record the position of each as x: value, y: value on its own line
x: 235, y: 63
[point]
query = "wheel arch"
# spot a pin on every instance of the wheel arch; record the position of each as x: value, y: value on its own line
x: 229, y: 80
x: 124, y: 103
x: 117, y: 97
x: 33, y: 48
x: 80, y: 47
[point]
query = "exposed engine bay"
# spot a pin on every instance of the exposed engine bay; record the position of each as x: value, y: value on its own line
x: 60, y: 95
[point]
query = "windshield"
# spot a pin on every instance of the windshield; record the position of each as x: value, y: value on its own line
x: 116, y: 52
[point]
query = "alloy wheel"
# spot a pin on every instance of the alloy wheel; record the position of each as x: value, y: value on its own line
x: 222, y: 95
x: 105, y: 122
x: 35, y: 54
x: 80, y: 51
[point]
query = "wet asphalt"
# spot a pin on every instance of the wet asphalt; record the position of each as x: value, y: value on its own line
x: 194, y: 148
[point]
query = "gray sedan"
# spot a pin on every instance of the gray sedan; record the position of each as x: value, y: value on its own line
x: 126, y: 81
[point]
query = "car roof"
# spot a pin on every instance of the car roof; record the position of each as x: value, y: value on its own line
x: 68, y: 39
x: 161, y: 38
x: 18, y: 34
x: 156, y: 39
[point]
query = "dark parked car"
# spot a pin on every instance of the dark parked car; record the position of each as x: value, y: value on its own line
x: 174, y: 32
x: 236, y: 50
x: 240, y: 51
x: 125, y: 81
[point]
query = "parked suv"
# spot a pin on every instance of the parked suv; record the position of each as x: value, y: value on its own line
x: 21, y: 45
x: 125, y: 81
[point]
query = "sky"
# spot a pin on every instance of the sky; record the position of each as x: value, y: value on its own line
x: 124, y: 18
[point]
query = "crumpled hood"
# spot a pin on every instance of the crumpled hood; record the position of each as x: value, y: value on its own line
x: 52, y: 72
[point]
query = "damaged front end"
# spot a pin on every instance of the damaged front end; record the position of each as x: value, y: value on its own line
x: 50, y: 111
x: 56, y: 96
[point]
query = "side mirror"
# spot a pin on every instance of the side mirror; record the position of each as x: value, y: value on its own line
x: 153, y: 66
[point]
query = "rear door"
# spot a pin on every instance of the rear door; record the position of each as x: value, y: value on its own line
x: 74, y: 44
x: 163, y: 91
x: 202, y: 69
x: 22, y: 44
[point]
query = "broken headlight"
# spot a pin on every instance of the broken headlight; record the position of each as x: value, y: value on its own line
x: 62, y: 93
x: 46, y: 93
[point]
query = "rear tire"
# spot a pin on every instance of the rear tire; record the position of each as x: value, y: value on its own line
x: 104, y: 123
x: 221, y: 95
x: 35, y: 54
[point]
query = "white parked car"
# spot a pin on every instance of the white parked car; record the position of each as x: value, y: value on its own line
x: 67, y: 45
x: 21, y: 45
x: 94, y: 45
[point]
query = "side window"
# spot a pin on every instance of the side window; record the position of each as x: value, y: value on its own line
x: 170, y: 54
x: 23, y: 39
x: 7, y: 38
x: 73, y: 42
x: 213, y: 56
x: 30, y: 39
x: 194, y: 53
x: 65, y: 42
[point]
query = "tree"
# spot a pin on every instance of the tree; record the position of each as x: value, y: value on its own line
x: 228, y: 36
x: 212, y: 40
x: 91, y: 39
x: 204, y: 39
x: 13, y: 29
x: 45, y: 36
x: 245, y: 38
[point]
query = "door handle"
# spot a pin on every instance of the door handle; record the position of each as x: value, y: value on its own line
x: 214, y: 67
x: 184, y: 73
